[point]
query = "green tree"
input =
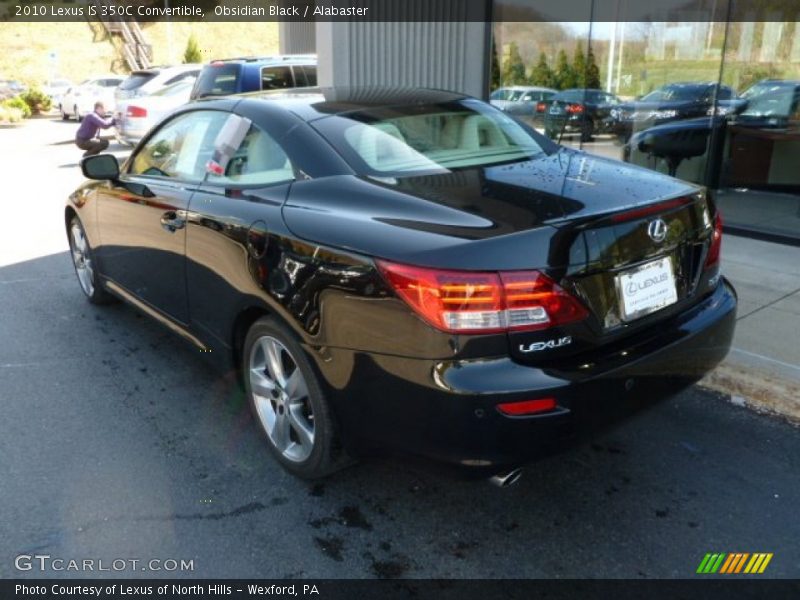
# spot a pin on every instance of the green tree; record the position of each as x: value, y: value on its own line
x: 592, y: 71
x: 564, y: 74
x: 192, y: 53
x: 542, y: 73
x: 579, y: 66
x: 495, y: 75
x: 513, y: 67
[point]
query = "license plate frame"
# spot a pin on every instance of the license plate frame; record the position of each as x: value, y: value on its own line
x: 646, y: 288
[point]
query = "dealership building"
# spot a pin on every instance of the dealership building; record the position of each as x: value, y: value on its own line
x: 742, y: 141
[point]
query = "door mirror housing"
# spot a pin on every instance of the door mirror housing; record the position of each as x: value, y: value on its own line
x: 101, y: 166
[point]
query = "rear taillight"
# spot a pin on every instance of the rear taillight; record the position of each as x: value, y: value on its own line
x: 134, y: 112
x: 483, y: 302
x: 712, y: 258
x: 540, y: 106
x: 575, y: 109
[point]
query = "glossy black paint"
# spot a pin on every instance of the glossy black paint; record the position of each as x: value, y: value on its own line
x: 304, y: 252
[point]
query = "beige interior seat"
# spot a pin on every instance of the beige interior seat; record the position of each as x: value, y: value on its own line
x: 479, y: 132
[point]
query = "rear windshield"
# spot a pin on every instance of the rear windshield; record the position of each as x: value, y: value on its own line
x: 216, y: 80
x: 410, y: 140
x: 136, y: 80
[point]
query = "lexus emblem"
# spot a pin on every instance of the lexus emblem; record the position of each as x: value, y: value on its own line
x: 657, y: 230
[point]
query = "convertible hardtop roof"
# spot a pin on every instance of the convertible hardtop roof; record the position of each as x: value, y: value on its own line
x: 314, y: 103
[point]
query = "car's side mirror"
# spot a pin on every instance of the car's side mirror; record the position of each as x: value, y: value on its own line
x: 101, y: 166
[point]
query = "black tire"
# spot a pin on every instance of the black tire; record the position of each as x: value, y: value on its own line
x: 324, y: 453
x: 85, y: 265
x: 64, y: 115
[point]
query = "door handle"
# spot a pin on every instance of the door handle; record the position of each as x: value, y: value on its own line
x: 171, y: 221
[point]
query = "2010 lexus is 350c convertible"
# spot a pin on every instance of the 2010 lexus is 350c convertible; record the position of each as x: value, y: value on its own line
x: 407, y: 270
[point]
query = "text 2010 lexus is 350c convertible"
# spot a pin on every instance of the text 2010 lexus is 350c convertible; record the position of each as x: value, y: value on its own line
x: 407, y: 270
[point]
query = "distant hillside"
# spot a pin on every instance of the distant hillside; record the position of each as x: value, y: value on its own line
x: 33, y: 52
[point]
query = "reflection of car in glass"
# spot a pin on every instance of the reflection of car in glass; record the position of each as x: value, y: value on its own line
x: 149, y: 81
x: 135, y: 116
x: 771, y: 107
x: 522, y: 100
x: 771, y: 103
x: 585, y: 111
x: 407, y: 269
x: 673, y: 102
x: 79, y: 100
x: 239, y: 75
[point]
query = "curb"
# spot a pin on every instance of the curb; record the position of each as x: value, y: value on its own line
x: 757, y: 382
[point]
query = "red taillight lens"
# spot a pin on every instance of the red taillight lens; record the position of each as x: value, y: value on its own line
x: 483, y: 302
x: 527, y: 407
x: 135, y: 112
x: 540, y: 106
x: 716, y: 242
x: 574, y: 109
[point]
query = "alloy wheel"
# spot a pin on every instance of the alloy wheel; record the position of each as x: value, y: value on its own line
x: 280, y: 394
x: 82, y: 258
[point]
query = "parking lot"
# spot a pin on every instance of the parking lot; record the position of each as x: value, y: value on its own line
x: 118, y: 442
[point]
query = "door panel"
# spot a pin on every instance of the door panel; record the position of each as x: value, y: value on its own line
x: 139, y: 251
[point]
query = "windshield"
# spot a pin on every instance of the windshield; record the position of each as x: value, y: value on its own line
x: 776, y: 101
x: 180, y: 87
x: 675, y: 92
x: 409, y: 140
x: 136, y: 80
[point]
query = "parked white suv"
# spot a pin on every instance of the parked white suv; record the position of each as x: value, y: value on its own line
x: 149, y: 81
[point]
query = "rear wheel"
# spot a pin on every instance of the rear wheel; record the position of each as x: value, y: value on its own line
x: 83, y: 261
x: 64, y: 115
x: 288, y: 403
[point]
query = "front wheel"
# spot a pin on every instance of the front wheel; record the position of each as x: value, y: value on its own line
x: 83, y: 261
x: 288, y: 403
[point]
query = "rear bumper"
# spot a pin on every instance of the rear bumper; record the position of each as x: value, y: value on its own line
x: 446, y: 410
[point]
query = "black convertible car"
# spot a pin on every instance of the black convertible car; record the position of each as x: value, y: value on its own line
x: 407, y: 269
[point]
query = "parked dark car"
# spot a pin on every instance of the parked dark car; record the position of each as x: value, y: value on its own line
x: 251, y: 74
x: 407, y: 269
x: 584, y: 111
x: 675, y: 102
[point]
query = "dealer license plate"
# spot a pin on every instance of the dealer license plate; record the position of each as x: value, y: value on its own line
x: 647, y: 288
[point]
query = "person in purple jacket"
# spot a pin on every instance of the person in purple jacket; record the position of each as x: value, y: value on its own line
x: 86, y: 137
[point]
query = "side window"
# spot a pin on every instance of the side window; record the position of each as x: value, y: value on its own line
x: 181, y: 148
x: 258, y: 161
x: 276, y: 78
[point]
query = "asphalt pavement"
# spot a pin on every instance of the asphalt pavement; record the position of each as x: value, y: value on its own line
x: 118, y: 442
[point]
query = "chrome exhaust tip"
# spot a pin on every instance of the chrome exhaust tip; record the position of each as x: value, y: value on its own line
x: 507, y: 479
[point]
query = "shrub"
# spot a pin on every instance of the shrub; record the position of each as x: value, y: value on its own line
x: 37, y: 100
x: 192, y: 53
x: 18, y: 103
x: 10, y: 114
